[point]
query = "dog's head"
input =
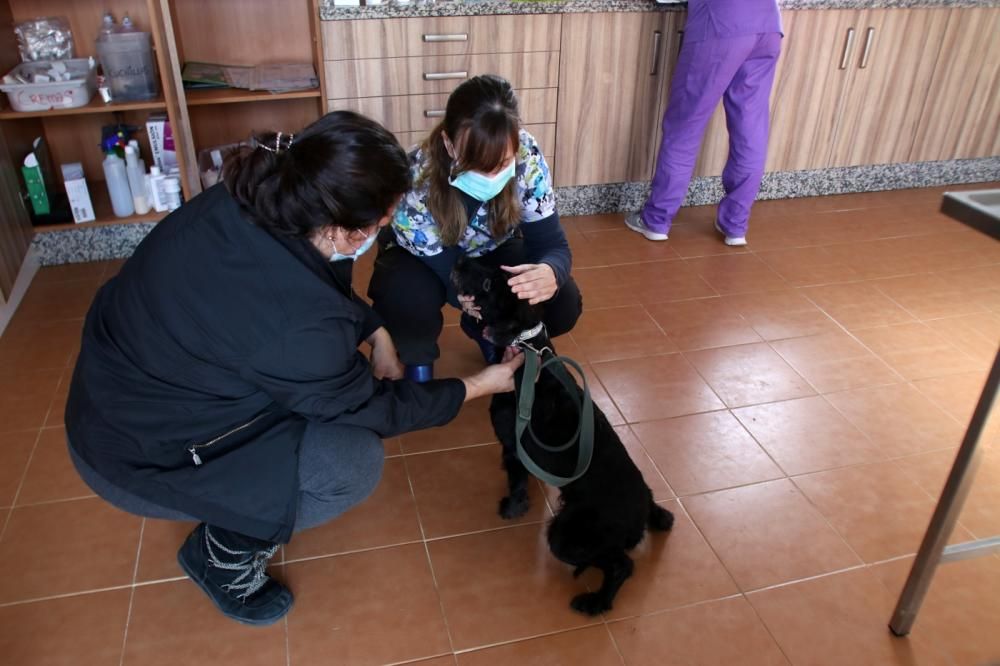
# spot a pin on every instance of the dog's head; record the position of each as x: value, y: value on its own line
x: 504, y: 316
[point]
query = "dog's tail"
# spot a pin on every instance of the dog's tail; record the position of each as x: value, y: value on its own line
x: 659, y: 518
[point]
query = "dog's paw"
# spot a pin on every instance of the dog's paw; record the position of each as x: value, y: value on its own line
x: 590, y: 603
x: 513, y: 507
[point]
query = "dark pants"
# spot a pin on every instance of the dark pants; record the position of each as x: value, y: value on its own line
x: 339, y: 466
x: 408, y: 295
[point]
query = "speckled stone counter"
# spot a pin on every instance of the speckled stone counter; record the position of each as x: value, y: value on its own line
x: 85, y: 243
x: 329, y: 12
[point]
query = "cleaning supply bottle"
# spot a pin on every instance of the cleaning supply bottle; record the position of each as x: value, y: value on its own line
x: 136, y: 181
x: 156, y: 183
x: 108, y: 26
x: 126, y: 26
x: 172, y: 192
x: 117, y: 179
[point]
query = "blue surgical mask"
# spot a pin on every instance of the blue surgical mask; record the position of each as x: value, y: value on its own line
x: 369, y: 241
x: 480, y: 187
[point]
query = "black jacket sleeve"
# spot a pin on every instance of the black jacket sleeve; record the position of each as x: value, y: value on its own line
x: 545, y: 243
x: 316, y: 371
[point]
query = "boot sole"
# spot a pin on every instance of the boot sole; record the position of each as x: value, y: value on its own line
x: 242, y: 620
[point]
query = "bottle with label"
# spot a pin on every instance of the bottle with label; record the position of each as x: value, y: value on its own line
x: 136, y: 181
x: 156, y: 189
x: 172, y: 190
x: 117, y: 179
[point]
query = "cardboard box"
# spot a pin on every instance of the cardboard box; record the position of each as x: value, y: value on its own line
x: 161, y: 141
x: 79, y: 195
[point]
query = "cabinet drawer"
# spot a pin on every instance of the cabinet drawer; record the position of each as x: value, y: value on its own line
x: 346, y: 79
x: 446, y: 35
x: 544, y: 133
x: 404, y: 113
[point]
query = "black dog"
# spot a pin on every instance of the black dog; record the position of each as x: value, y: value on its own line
x: 606, y: 511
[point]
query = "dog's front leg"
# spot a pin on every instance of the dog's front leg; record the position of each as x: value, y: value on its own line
x: 617, y: 568
x: 503, y: 415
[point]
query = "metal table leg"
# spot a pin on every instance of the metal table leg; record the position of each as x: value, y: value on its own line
x: 933, y: 551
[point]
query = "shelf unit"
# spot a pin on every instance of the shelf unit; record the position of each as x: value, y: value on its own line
x: 237, y: 32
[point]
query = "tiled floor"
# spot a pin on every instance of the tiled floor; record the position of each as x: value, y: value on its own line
x: 796, y: 403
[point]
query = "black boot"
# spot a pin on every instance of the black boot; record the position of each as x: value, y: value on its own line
x: 230, y: 568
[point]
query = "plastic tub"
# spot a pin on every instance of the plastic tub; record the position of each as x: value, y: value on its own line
x: 76, y: 92
x: 129, y: 68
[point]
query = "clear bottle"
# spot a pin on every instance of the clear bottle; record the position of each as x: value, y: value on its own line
x: 117, y: 179
x: 136, y: 181
x: 126, y: 26
x: 108, y: 26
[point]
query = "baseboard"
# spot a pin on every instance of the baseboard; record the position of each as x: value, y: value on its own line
x: 29, y: 267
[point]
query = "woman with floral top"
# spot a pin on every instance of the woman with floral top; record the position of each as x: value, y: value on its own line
x: 481, y: 189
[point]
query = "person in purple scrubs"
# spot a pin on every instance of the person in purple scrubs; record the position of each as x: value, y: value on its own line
x: 730, y: 51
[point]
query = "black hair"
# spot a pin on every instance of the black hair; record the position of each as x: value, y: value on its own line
x: 344, y: 169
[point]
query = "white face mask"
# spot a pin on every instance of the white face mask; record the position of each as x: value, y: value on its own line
x: 369, y: 241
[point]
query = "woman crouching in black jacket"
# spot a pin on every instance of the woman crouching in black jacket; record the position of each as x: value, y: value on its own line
x: 219, y: 377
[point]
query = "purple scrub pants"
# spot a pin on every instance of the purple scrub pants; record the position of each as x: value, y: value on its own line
x: 740, y: 72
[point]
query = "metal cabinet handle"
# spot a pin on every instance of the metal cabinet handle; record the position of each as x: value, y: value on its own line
x: 443, y: 76
x: 455, y: 37
x: 433, y: 113
x: 657, y: 41
x: 869, y: 38
x: 848, y: 47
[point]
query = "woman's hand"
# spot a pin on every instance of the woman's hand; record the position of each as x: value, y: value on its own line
x: 535, y: 283
x: 385, y: 360
x: 469, y: 307
x: 497, y: 378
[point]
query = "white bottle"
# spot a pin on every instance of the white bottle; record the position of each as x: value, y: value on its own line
x: 108, y: 27
x: 172, y: 190
x: 156, y: 182
x: 136, y: 181
x: 117, y: 179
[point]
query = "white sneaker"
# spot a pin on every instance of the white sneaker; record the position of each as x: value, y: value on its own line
x: 732, y: 241
x: 634, y: 222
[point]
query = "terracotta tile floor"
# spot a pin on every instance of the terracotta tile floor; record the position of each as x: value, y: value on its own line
x: 796, y: 403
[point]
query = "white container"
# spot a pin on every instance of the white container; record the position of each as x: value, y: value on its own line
x: 72, y: 94
x: 129, y: 67
x: 157, y: 191
x: 121, y: 196
x: 79, y: 195
x: 136, y: 181
x: 172, y: 192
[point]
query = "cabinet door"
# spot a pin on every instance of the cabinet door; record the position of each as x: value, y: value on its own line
x: 809, y: 86
x: 612, y: 69
x: 961, y: 114
x: 15, y: 227
x: 890, y: 76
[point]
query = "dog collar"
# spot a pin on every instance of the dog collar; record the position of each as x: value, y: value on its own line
x: 524, y: 336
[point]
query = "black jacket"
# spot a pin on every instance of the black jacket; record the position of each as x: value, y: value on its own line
x: 203, y: 360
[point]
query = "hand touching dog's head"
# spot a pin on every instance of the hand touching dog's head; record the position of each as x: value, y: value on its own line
x: 501, y: 312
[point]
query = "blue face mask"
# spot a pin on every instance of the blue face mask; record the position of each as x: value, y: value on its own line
x: 369, y: 241
x: 480, y: 187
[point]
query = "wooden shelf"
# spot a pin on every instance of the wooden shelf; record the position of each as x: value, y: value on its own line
x: 95, y: 106
x: 103, y: 211
x: 238, y: 95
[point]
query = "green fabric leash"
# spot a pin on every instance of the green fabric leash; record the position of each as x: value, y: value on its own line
x: 526, y: 400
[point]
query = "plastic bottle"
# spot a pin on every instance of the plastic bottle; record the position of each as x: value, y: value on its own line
x: 127, y: 25
x: 156, y: 182
x: 136, y: 181
x: 172, y: 189
x: 108, y: 26
x: 117, y: 179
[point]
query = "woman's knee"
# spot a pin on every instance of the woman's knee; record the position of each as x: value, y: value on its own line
x: 563, y: 311
x: 341, y: 464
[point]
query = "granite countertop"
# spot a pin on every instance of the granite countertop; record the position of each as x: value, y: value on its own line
x: 328, y: 12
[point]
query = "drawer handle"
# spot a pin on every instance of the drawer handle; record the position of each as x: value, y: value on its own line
x: 444, y: 76
x: 657, y: 38
x: 434, y: 113
x: 869, y: 38
x: 456, y: 37
x: 848, y: 47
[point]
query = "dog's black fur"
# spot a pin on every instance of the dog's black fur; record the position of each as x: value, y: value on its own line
x: 605, y: 512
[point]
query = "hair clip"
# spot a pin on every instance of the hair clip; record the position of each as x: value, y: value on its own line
x: 278, y: 148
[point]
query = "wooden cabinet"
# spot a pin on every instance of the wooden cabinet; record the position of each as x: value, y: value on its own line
x: 15, y: 227
x: 400, y: 72
x: 961, y: 110
x: 889, y: 77
x: 612, y: 73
